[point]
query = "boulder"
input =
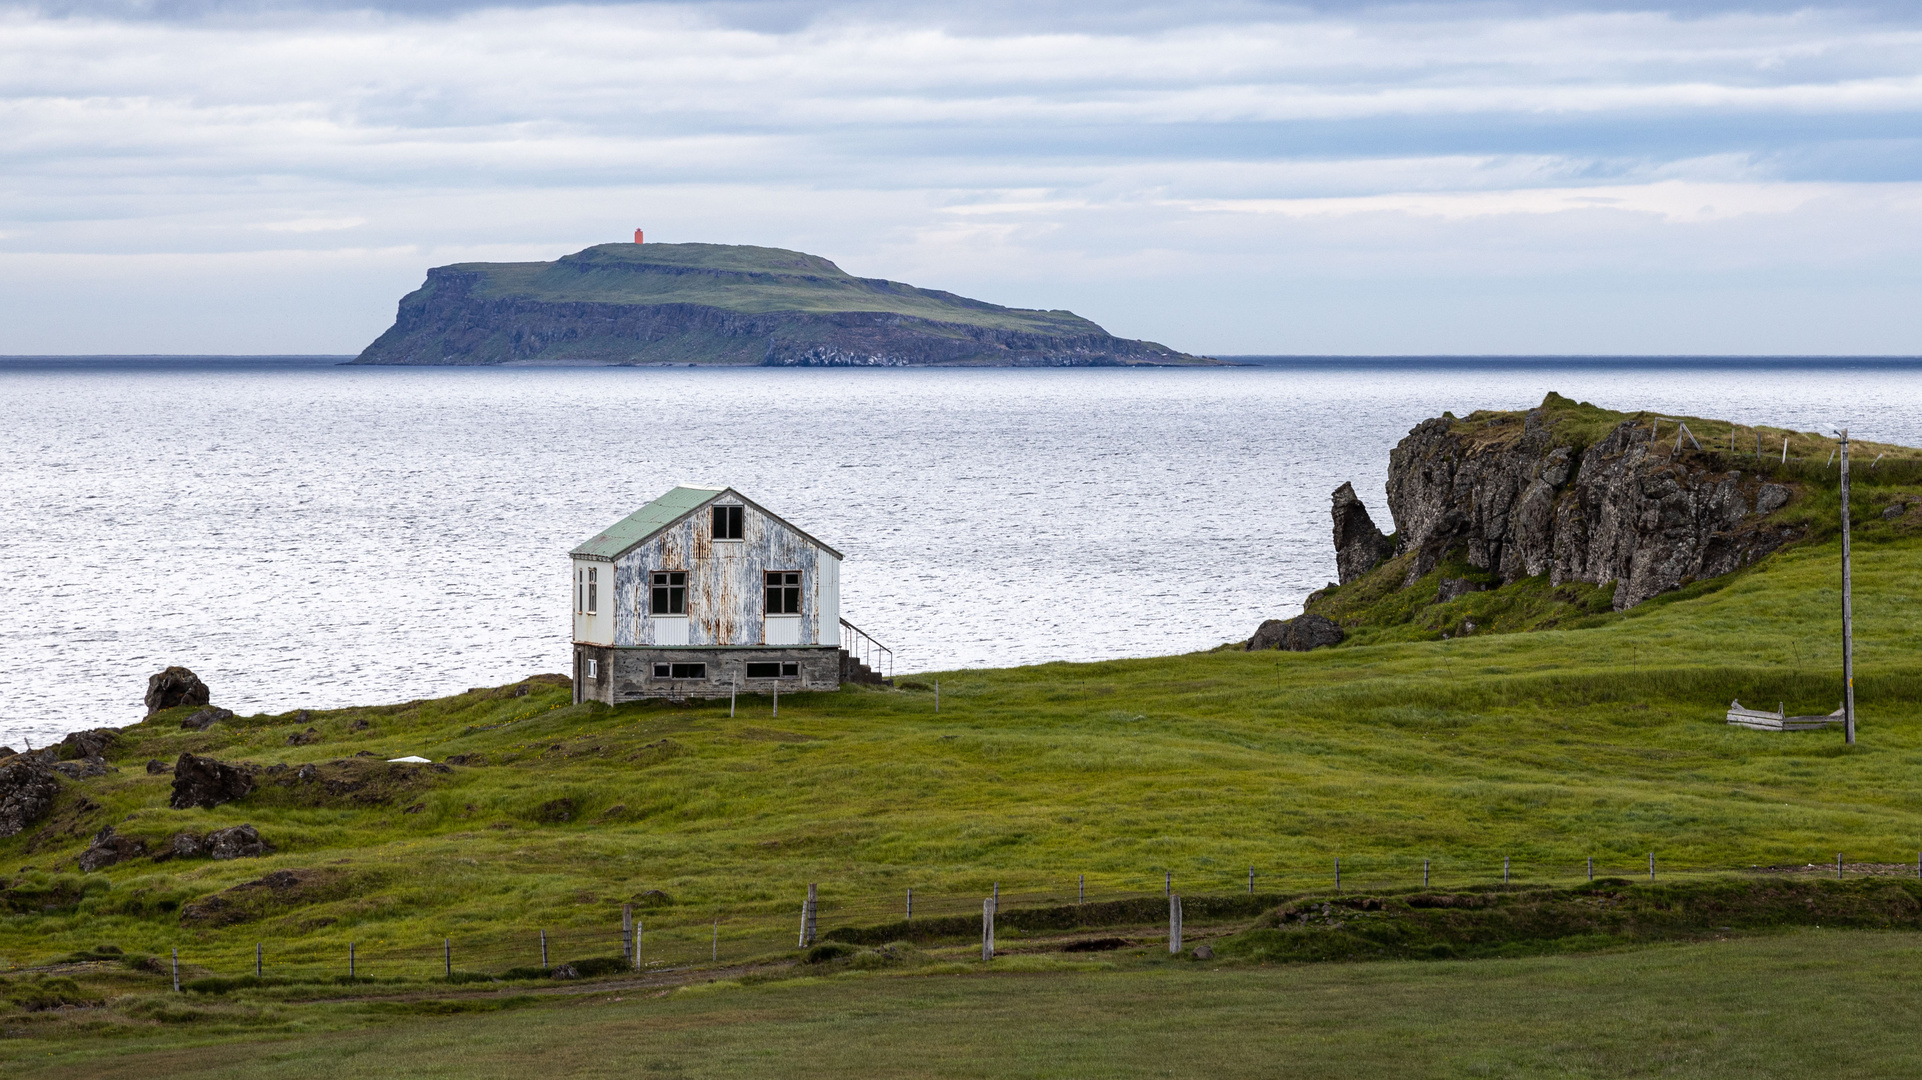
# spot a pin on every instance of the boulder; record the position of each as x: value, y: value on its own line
x: 303, y: 738
x: 237, y: 842
x: 1203, y: 952
x: 186, y: 846
x: 175, y: 686
x: 202, y: 719
x: 1299, y: 634
x: 1359, y: 545
x: 27, y: 788
x: 157, y: 767
x: 84, y: 769
x: 206, y: 783
x: 108, y: 849
x: 87, y: 744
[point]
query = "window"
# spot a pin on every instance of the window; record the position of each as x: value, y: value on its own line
x: 680, y: 671
x: 593, y: 590
x: 772, y: 670
x: 580, y: 590
x: 593, y: 668
x: 784, y: 592
x: 670, y: 593
x: 727, y: 523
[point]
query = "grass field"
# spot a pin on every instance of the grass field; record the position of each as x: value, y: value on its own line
x: 1814, y: 1002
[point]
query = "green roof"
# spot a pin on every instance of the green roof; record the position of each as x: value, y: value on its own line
x: 638, y: 526
x: 646, y: 521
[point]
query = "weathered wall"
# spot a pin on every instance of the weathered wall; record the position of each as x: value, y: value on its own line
x: 628, y: 674
x: 725, y: 604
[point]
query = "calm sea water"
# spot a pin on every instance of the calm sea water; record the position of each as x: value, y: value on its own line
x: 307, y: 535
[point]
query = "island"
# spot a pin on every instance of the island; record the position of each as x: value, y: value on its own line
x: 659, y: 304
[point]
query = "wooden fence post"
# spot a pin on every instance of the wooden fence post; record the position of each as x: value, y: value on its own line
x: 777, y: 700
x: 350, y: 961
x: 1424, y: 873
x: 1168, y: 885
x: 627, y: 932
x: 987, y: 928
x: 937, y: 697
x: 638, y: 928
x: 1591, y: 868
x: 807, y: 917
x: 256, y: 959
x: 1251, y: 881
x: 1651, y: 866
x: 543, y: 948
x: 447, y: 955
x: 1838, y: 866
x: 1337, y: 875
x: 910, y: 903
x: 176, y: 969
x: 1504, y: 869
x: 717, y: 940
x: 1081, y: 883
x: 1174, y: 924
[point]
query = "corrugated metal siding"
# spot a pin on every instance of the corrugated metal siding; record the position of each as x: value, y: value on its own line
x: 725, y: 580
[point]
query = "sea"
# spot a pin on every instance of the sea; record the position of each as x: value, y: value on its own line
x: 304, y: 534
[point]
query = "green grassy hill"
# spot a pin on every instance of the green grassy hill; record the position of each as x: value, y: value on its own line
x: 751, y: 280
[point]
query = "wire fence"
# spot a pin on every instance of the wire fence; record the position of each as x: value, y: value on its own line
x: 642, y: 941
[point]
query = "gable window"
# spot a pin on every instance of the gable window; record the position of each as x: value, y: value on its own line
x: 680, y: 671
x: 784, y: 592
x: 593, y: 590
x: 670, y: 593
x: 774, y: 670
x: 727, y: 523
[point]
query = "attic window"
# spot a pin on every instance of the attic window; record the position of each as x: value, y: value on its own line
x: 670, y: 592
x: 727, y: 523
x: 784, y: 592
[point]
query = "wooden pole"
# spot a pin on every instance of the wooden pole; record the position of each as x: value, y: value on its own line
x: 176, y: 969
x: 447, y: 955
x: 1838, y: 866
x: 777, y: 700
x: 1651, y: 866
x: 1848, y: 607
x: 638, y: 927
x: 1337, y: 875
x: 987, y: 928
x: 717, y: 940
x: 1168, y: 885
x: 910, y: 903
x: 256, y: 959
x: 807, y: 917
x: 1174, y: 924
x: 1591, y: 868
x: 1081, y: 886
x: 350, y: 959
x: 543, y: 948
x: 627, y: 931
x: 1504, y: 869
x: 1424, y: 873
x: 1251, y: 881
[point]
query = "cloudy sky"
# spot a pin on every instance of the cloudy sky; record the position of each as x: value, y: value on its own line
x: 269, y: 176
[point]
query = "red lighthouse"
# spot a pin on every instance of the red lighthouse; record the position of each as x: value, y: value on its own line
x: 637, y: 236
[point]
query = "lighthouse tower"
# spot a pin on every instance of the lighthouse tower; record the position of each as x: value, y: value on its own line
x: 637, y: 236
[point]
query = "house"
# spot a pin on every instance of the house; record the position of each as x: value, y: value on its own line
x: 704, y: 592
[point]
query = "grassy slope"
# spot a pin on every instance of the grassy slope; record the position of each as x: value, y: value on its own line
x: 1545, y: 747
x: 753, y: 280
x: 1810, y: 1003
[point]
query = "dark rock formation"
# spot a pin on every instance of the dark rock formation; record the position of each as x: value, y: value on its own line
x: 27, y: 788
x: 1454, y: 588
x: 237, y: 842
x: 1359, y: 545
x: 266, y: 895
x: 1299, y: 634
x: 206, y: 783
x: 704, y: 303
x: 175, y: 686
x: 1517, y: 501
x: 157, y: 767
x: 202, y: 719
x: 83, y: 769
x: 108, y: 849
x: 87, y: 744
x: 303, y: 738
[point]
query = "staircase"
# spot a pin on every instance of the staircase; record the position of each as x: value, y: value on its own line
x: 859, y: 653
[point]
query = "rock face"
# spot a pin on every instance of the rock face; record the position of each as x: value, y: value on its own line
x: 108, y: 849
x: 206, y: 783
x: 725, y: 304
x: 84, y: 768
x: 175, y: 686
x: 1625, y: 509
x: 1359, y: 545
x: 237, y: 842
x: 1299, y: 634
x: 27, y: 788
x: 88, y: 744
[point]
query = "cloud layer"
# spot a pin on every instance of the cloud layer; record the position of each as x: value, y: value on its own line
x: 1237, y: 178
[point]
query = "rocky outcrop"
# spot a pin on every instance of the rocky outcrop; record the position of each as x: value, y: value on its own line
x: 202, y: 719
x: 109, y: 848
x: 1520, y: 500
x: 1299, y: 634
x: 1359, y: 545
x: 175, y: 686
x: 83, y: 768
x: 237, y: 842
x: 27, y: 789
x: 205, y: 783
x: 87, y: 744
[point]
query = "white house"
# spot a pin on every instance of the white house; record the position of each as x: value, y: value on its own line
x: 703, y: 591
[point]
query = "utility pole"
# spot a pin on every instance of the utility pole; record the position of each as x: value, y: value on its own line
x: 1848, y: 608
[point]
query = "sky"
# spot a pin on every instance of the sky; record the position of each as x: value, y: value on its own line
x: 270, y: 176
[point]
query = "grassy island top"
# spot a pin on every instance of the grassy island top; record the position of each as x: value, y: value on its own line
x: 751, y: 280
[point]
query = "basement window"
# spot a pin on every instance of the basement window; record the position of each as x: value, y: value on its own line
x: 727, y: 523
x: 593, y: 668
x: 784, y: 592
x: 680, y: 671
x: 773, y: 670
x: 670, y: 592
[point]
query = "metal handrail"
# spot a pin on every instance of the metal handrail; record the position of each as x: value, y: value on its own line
x: 871, y: 648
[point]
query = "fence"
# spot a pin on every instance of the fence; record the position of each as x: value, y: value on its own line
x: 656, y: 940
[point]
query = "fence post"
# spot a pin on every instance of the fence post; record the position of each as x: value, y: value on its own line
x: 1838, y: 866
x: 638, y: 927
x: 987, y: 928
x: 447, y: 955
x: 1591, y: 868
x: 910, y: 903
x: 627, y: 932
x: 807, y: 918
x: 997, y: 895
x: 1337, y: 875
x: 176, y: 969
x: 543, y: 948
x: 1174, y: 925
x: 256, y: 959
x: 1424, y: 873
x: 350, y: 960
x: 1168, y: 886
x: 1651, y: 866
x: 1504, y: 869
x: 1251, y: 881
x: 777, y: 700
x: 732, y: 689
x: 1081, y: 883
